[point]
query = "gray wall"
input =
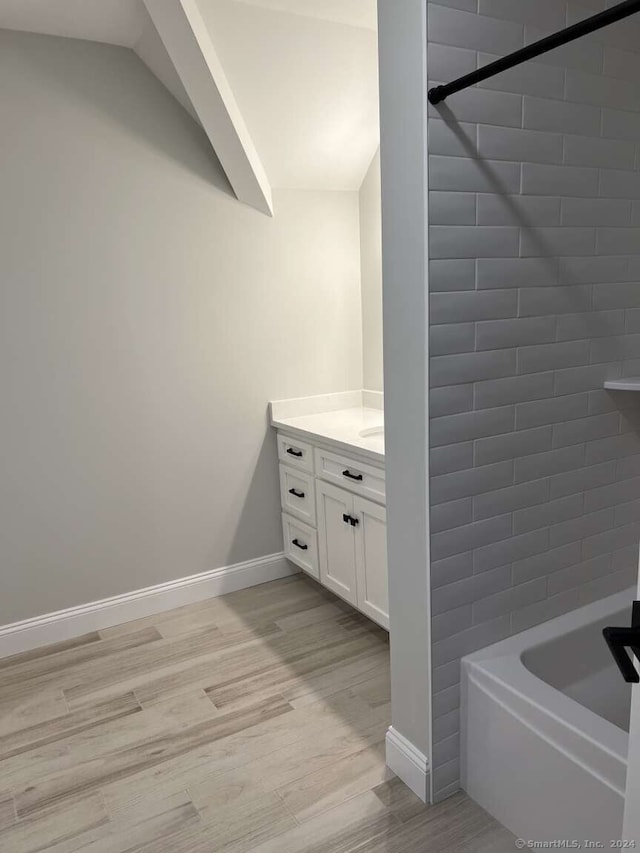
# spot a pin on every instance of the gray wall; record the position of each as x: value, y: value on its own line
x: 146, y: 319
x: 371, y: 266
x: 535, y: 298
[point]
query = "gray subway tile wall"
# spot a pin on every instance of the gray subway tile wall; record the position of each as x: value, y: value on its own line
x: 534, y: 276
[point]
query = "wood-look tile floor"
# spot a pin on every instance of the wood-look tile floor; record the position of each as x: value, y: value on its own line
x: 252, y: 722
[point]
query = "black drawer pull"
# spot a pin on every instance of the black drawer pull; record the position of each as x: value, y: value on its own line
x: 297, y: 453
x: 296, y: 493
x: 349, y: 519
x: 300, y: 545
x: 357, y: 477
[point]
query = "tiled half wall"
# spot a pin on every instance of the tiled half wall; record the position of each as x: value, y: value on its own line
x: 534, y: 281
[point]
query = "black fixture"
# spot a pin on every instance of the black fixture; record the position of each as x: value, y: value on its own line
x: 621, y: 639
x: 297, y: 453
x: 349, y: 519
x: 583, y: 28
x: 296, y: 493
x: 350, y: 476
x: 300, y: 545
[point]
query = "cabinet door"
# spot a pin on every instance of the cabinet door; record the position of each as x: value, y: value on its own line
x: 371, y: 561
x: 336, y: 540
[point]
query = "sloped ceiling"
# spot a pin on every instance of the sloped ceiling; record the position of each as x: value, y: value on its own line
x: 153, y: 53
x: 307, y: 87
x: 303, y: 72
x: 354, y: 13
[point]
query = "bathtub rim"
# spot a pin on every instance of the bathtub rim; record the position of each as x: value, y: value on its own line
x: 594, y: 742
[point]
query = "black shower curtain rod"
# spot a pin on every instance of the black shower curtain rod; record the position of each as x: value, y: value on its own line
x: 583, y: 28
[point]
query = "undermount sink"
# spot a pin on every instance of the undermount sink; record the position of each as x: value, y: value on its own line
x: 372, y: 432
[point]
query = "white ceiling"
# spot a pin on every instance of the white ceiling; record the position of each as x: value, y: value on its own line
x: 307, y: 88
x: 304, y: 73
x: 355, y: 13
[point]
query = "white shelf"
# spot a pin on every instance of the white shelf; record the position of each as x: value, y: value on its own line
x: 630, y: 384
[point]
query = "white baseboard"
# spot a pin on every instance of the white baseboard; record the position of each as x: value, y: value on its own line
x: 75, y: 621
x: 408, y: 763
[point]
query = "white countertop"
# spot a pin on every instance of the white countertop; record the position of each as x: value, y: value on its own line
x: 357, y: 428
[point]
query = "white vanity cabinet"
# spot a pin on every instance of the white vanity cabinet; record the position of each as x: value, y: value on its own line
x: 334, y: 522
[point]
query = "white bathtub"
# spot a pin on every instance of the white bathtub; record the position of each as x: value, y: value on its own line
x: 545, y: 721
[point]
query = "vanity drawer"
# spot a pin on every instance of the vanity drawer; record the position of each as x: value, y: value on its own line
x: 301, y: 544
x: 299, y: 454
x: 358, y: 477
x: 297, y: 492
